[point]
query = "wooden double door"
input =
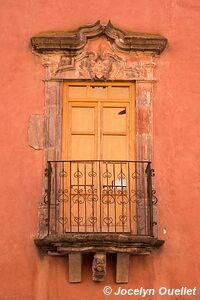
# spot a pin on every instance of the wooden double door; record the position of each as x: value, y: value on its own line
x: 97, y: 142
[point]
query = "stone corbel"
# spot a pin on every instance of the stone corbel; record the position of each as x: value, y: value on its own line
x: 99, y: 267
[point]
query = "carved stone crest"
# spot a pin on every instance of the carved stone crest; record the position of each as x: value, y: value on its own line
x: 97, y: 65
x: 100, y: 66
x: 103, y: 64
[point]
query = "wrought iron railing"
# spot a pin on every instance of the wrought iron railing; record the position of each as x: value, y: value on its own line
x: 100, y: 197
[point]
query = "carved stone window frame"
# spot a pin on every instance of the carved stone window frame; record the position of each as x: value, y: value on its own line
x: 95, y: 52
x: 126, y: 57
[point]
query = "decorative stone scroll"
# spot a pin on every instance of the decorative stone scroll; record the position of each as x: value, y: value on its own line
x: 103, y: 53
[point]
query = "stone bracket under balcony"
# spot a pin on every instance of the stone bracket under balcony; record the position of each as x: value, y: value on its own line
x: 74, y: 245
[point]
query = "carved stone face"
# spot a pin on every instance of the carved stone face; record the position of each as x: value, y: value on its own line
x: 99, y: 267
x: 100, y: 260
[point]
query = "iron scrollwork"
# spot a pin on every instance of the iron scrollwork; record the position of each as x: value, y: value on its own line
x: 99, y: 196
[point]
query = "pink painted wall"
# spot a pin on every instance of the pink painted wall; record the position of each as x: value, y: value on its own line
x: 24, y: 274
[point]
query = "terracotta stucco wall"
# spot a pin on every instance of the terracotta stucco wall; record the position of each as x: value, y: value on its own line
x: 24, y: 274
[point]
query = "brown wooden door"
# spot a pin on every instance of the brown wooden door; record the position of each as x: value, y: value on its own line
x: 98, y: 126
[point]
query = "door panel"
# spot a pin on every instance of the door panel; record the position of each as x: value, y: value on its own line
x: 82, y: 147
x: 115, y: 131
x: 83, y: 119
x: 114, y: 147
x: 82, y: 139
x: 114, y: 119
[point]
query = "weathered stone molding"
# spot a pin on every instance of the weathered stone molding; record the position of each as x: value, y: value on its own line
x: 101, y: 242
x: 76, y: 41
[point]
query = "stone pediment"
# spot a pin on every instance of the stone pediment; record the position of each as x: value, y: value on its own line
x: 75, y: 41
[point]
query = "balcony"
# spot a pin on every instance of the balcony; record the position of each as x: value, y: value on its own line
x: 99, y: 206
